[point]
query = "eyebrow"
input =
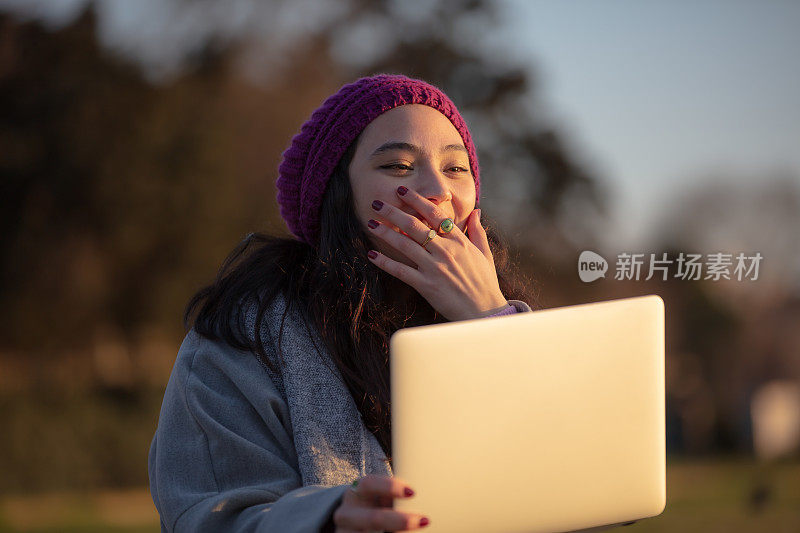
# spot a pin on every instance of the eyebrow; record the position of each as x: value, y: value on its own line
x: 397, y: 145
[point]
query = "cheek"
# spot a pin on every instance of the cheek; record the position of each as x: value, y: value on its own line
x: 464, y: 204
x: 362, y: 194
x: 465, y: 197
x: 369, y: 191
x: 465, y: 187
x: 379, y: 190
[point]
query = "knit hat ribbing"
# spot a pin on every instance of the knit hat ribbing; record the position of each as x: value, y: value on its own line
x: 316, y: 150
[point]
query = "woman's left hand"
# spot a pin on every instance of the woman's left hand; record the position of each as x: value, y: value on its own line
x: 455, y: 273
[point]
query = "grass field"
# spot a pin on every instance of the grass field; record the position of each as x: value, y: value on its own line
x: 710, y: 496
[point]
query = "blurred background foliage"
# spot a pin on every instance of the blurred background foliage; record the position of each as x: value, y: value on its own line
x: 124, y: 187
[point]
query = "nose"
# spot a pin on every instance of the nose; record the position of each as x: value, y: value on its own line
x: 435, y: 188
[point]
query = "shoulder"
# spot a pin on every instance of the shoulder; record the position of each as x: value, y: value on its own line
x: 214, y: 361
x: 214, y: 378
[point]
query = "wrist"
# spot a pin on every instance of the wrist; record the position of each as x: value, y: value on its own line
x: 495, y: 310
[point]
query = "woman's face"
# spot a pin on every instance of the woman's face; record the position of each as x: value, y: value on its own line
x: 416, y: 146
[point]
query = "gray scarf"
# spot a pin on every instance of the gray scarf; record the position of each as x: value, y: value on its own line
x: 333, y: 445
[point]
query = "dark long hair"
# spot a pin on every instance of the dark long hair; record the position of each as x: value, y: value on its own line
x: 346, y: 297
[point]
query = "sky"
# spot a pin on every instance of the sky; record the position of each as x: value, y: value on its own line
x: 655, y: 97
x: 659, y: 96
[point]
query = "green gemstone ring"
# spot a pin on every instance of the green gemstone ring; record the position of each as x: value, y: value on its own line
x: 446, y: 226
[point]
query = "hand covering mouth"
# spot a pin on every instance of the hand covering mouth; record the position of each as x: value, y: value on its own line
x: 416, y: 215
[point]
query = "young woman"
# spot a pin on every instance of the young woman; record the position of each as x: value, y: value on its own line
x: 278, y: 402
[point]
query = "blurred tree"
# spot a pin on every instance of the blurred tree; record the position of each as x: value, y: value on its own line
x: 121, y: 195
x: 735, y: 213
x: 67, y: 110
x: 729, y: 336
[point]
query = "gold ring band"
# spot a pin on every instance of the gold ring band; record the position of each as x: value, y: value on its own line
x: 429, y: 237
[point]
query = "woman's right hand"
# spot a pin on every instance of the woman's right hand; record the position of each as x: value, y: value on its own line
x: 370, y: 509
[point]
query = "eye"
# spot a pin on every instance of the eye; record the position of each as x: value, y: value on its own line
x: 397, y: 166
x: 459, y: 169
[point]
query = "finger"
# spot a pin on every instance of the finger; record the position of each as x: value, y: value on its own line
x: 477, y: 234
x: 407, y: 223
x: 361, y: 518
x: 374, y: 485
x: 401, y: 271
x: 358, y: 499
x: 386, y: 501
x: 407, y: 245
x: 432, y: 213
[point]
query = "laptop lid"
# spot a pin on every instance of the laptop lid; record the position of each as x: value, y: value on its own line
x: 546, y: 421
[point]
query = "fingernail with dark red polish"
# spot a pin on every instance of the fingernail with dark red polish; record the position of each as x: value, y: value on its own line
x: 402, y: 190
x: 376, y: 205
x: 424, y: 522
x: 372, y: 224
x: 408, y: 492
x: 372, y: 254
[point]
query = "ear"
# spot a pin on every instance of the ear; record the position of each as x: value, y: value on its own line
x: 477, y: 235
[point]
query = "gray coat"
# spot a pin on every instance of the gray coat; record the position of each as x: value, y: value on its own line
x: 241, y: 448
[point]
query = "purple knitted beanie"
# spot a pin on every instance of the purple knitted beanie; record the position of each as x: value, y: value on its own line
x: 315, y: 151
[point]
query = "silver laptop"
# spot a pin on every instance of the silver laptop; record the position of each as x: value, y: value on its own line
x: 547, y: 421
